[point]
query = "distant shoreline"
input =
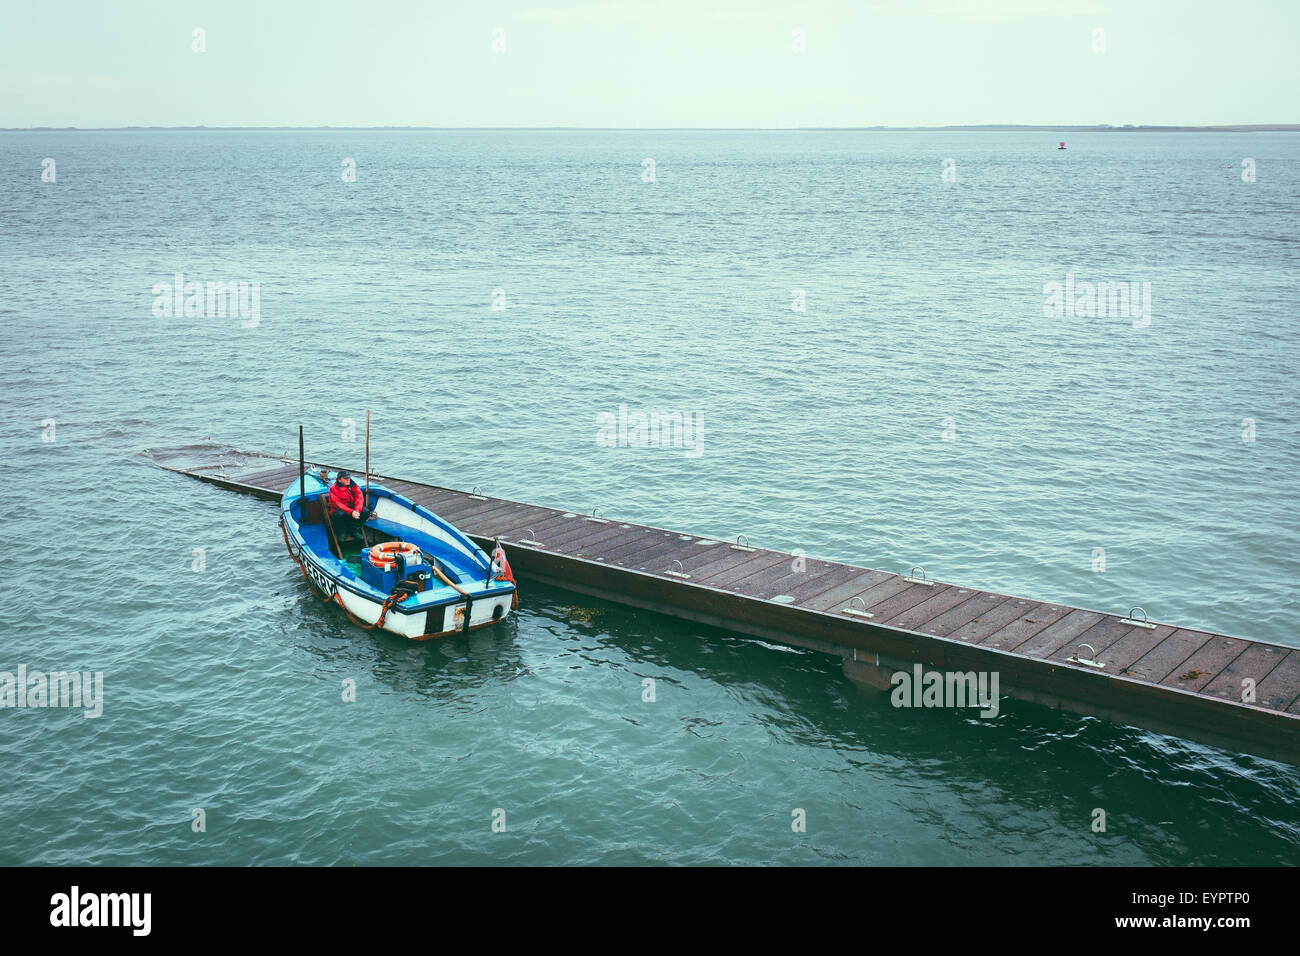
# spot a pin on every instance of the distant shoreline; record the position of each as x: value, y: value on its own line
x: 992, y: 128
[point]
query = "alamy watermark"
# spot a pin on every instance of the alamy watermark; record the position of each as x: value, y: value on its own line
x: 922, y: 688
x: 654, y: 429
x: 210, y: 300
x: 1124, y: 300
x: 83, y: 689
x: 75, y: 908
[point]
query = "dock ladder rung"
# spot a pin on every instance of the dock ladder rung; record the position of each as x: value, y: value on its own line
x: 742, y: 547
x: 857, y: 611
x: 913, y: 578
x: 1089, y: 661
x: 1132, y: 619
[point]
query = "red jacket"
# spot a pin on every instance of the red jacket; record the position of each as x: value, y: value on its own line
x: 347, y: 499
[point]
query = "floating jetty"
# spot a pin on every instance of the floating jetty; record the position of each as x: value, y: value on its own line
x: 1225, y: 691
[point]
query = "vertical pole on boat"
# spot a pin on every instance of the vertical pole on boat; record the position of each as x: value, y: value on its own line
x: 302, y: 479
x: 365, y: 495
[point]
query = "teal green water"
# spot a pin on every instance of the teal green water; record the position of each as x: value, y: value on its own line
x: 823, y: 430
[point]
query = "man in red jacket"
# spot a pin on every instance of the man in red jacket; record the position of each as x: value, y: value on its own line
x: 348, y: 511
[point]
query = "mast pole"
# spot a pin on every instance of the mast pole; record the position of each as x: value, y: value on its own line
x: 302, y: 478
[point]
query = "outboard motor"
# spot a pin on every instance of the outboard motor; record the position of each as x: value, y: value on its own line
x: 413, y: 570
x: 385, y: 566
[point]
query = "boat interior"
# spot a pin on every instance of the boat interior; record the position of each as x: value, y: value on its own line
x: 316, y: 528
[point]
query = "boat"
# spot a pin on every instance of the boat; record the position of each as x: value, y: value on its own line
x: 411, y: 574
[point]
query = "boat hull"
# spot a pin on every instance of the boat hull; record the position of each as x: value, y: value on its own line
x: 446, y: 609
x: 440, y: 620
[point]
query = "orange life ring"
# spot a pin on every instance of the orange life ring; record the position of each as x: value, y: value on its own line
x: 384, y: 556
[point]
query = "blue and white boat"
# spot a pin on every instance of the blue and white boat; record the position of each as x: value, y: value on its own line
x: 420, y: 577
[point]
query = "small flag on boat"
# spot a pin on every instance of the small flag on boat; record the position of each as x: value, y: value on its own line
x: 500, y: 566
x: 501, y: 570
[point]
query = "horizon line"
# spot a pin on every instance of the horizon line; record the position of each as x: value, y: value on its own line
x: 981, y: 127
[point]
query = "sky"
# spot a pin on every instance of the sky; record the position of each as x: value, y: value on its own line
x: 648, y: 63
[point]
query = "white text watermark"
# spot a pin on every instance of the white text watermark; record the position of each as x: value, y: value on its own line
x: 654, y: 429
x: 83, y: 689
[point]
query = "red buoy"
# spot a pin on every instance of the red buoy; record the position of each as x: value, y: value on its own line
x: 1062, y: 146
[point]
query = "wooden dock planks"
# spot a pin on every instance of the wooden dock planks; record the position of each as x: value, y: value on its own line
x: 1280, y: 689
x: 776, y: 592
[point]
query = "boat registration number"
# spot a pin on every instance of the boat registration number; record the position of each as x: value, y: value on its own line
x: 320, y: 579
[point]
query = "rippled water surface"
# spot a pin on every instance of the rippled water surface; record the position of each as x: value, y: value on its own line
x: 823, y: 430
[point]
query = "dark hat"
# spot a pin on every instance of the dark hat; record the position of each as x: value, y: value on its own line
x: 344, y: 474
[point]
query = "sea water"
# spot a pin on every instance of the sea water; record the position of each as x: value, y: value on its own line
x: 866, y: 334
